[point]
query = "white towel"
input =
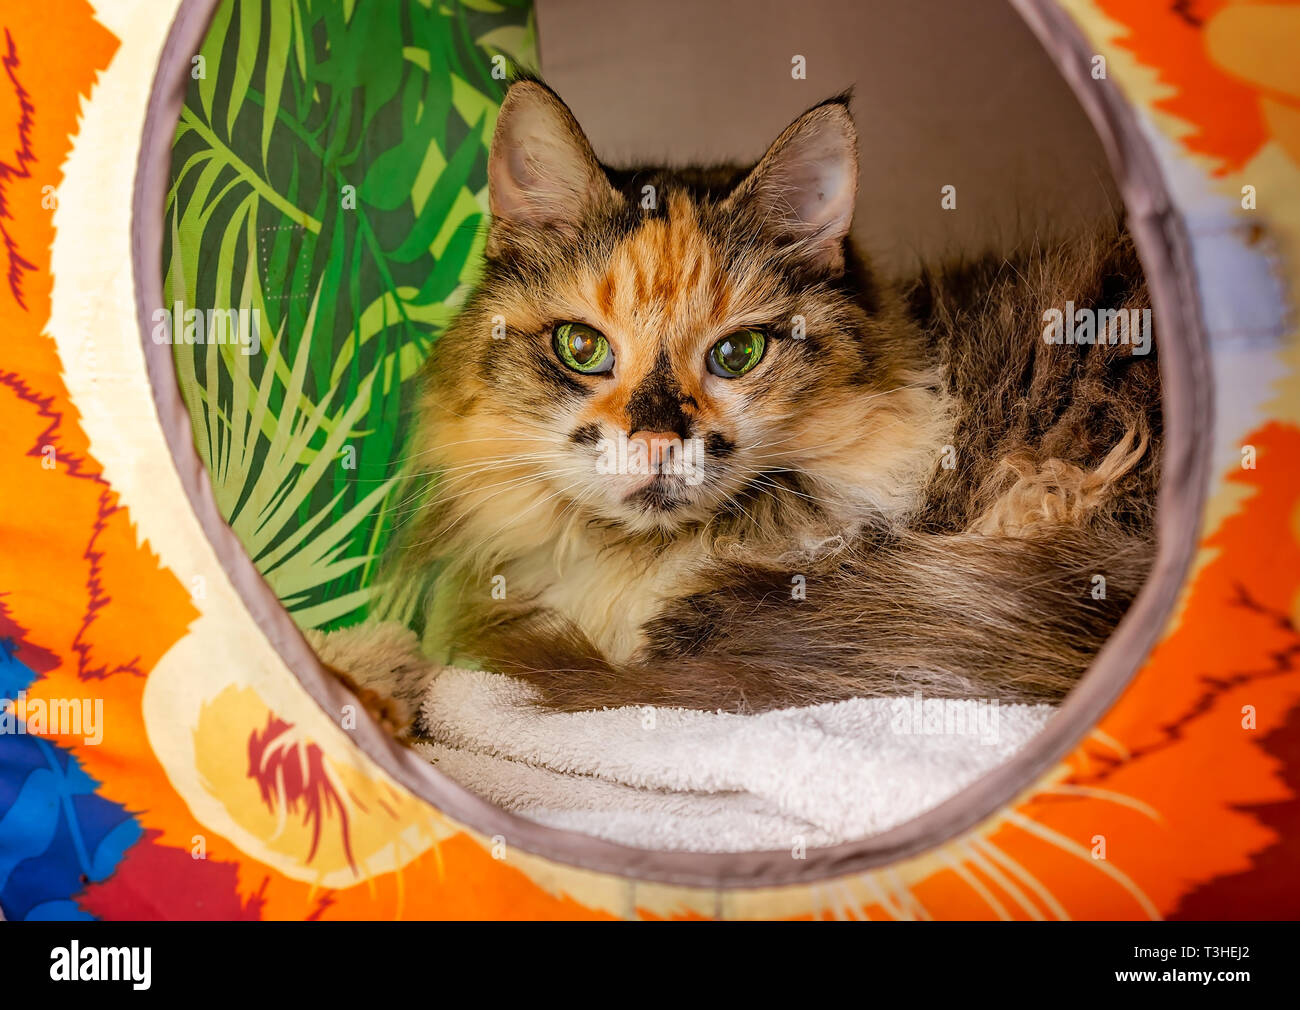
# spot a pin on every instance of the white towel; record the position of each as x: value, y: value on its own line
x: 710, y: 781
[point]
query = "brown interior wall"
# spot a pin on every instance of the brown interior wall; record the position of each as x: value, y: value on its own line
x: 947, y: 92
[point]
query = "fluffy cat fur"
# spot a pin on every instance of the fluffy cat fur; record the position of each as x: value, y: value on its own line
x: 911, y: 491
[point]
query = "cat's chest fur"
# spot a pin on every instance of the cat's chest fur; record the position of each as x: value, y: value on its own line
x: 608, y: 589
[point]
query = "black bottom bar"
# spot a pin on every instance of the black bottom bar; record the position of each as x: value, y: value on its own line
x: 434, y: 961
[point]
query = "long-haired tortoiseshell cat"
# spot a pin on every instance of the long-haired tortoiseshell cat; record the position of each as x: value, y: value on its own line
x: 894, y: 486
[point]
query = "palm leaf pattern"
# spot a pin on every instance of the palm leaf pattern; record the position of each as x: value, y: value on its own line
x: 328, y: 173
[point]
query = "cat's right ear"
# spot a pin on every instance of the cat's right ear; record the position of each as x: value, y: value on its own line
x: 541, y: 172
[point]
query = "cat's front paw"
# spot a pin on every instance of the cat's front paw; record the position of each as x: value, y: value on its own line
x: 381, y: 663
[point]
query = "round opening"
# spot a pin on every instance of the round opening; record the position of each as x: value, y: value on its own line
x: 376, y: 248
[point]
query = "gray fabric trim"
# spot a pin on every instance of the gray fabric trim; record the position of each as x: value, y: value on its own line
x: 1166, y: 255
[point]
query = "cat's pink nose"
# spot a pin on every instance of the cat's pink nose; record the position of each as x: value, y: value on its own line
x: 658, y: 445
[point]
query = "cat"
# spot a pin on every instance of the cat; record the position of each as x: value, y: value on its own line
x: 682, y: 447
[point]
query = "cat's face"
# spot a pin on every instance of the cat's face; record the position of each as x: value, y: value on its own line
x: 656, y: 349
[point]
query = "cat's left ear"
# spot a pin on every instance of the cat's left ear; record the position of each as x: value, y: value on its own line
x: 542, y: 172
x: 805, y: 186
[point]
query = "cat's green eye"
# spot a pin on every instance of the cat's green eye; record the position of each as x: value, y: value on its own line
x: 583, y: 348
x: 736, y: 353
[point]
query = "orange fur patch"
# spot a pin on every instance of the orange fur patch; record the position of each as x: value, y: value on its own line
x: 1055, y: 492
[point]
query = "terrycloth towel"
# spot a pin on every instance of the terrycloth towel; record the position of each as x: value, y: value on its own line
x: 713, y: 782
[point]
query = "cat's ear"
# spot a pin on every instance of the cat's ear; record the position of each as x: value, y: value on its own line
x: 542, y: 171
x: 805, y: 186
